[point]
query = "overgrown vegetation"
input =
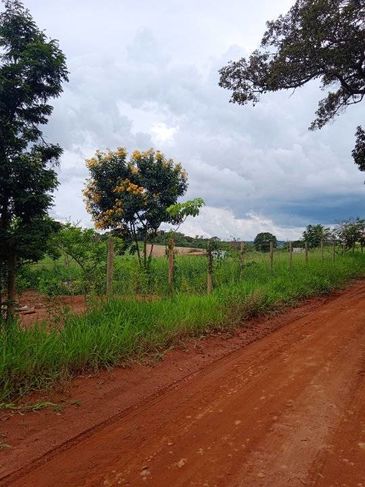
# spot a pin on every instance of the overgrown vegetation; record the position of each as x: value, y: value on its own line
x: 76, y: 261
x: 114, y: 331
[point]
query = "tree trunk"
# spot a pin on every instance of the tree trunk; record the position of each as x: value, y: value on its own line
x: 2, y: 267
x: 10, y: 312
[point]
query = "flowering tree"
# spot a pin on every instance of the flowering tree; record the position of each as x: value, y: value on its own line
x: 132, y: 195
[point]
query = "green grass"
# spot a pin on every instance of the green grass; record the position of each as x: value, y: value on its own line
x: 113, y: 332
x: 63, y: 276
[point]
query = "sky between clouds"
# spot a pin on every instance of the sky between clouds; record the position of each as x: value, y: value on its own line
x: 144, y: 73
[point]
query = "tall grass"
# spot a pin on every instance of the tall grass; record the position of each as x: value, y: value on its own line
x: 119, y: 329
x: 65, y: 277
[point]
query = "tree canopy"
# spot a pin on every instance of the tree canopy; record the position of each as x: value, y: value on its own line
x: 262, y: 241
x: 316, y: 39
x: 32, y: 70
x: 315, y: 234
x: 132, y: 195
x: 351, y: 232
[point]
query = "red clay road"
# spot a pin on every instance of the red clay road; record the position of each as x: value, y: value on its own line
x: 285, y: 410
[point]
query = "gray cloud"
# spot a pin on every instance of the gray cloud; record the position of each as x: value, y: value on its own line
x: 145, y: 73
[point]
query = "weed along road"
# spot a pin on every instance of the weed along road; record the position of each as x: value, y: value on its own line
x: 287, y: 409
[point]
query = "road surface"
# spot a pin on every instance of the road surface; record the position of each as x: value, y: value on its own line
x: 286, y: 410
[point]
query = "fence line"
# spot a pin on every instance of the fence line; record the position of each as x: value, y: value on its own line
x: 329, y: 249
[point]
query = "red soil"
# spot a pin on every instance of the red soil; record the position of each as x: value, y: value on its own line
x: 37, y: 307
x: 281, y: 403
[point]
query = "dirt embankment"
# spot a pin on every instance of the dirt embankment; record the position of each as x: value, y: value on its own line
x: 285, y: 410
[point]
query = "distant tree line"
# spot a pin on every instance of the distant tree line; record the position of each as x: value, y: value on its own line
x: 348, y: 233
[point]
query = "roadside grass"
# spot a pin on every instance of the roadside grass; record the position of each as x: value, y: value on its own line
x: 115, y: 331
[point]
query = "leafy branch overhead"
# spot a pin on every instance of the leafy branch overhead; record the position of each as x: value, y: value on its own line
x: 316, y: 39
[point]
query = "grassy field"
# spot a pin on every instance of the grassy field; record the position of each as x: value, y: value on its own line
x: 119, y: 329
x: 64, y: 277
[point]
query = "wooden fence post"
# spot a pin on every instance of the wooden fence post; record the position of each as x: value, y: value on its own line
x: 306, y: 252
x: 271, y: 255
x: 110, y: 267
x: 210, y: 270
x: 322, y: 250
x: 242, y: 257
x: 290, y: 255
x: 171, y: 257
x: 334, y: 251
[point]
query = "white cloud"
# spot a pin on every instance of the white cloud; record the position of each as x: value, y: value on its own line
x: 145, y: 74
x: 222, y: 223
x: 162, y: 133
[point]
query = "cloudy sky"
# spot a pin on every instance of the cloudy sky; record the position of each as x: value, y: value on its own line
x: 144, y: 73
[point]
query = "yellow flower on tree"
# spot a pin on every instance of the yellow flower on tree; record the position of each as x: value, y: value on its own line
x: 133, y: 195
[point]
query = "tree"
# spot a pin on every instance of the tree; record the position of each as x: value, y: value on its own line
x: 315, y: 234
x: 262, y: 241
x: 133, y: 196
x: 88, y: 249
x: 350, y: 232
x: 32, y: 69
x: 316, y: 39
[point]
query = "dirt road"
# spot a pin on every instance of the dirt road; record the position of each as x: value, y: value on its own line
x: 285, y: 410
